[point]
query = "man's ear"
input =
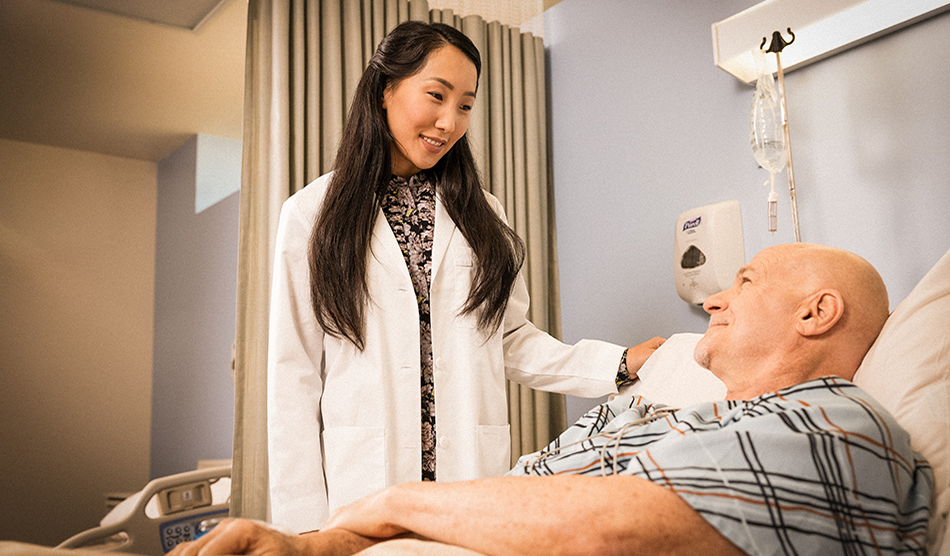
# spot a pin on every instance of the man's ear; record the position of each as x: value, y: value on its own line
x: 819, y: 313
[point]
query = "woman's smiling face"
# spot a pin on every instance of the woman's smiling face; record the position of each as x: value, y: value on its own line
x: 429, y: 111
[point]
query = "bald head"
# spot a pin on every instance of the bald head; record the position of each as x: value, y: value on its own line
x: 795, y: 312
x: 862, y: 290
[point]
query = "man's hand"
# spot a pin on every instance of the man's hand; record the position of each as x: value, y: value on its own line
x: 367, y: 516
x: 241, y: 536
x: 638, y: 355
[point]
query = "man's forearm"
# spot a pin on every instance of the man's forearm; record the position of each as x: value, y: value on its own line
x: 336, y: 542
x: 541, y: 515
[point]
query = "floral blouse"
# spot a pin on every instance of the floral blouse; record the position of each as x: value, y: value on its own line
x: 409, y: 206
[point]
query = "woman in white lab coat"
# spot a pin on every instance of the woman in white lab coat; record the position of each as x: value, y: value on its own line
x: 398, y: 308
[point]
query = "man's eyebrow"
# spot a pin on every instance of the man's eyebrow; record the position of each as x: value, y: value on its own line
x: 451, y: 87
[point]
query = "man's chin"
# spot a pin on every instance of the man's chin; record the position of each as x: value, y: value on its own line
x: 701, y: 352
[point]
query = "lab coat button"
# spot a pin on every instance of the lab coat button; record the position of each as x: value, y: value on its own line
x: 443, y: 442
x: 440, y: 363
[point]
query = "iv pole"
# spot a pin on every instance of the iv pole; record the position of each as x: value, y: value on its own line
x: 776, y: 47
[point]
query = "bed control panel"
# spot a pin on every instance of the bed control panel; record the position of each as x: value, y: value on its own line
x: 177, y: 531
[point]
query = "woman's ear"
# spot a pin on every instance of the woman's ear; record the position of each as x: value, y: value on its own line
x: 387, y: 92
x: 819, y: 313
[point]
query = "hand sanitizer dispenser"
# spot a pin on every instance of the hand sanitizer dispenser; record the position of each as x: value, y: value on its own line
x: 709, y: 250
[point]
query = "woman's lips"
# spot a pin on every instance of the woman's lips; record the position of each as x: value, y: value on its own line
x: 432, y: 145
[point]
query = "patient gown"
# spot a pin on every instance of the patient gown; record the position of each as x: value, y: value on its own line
x: 817, y: 468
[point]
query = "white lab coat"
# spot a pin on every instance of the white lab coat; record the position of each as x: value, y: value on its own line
x: 344, y: 423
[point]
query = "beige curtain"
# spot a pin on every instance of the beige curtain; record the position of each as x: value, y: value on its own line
x: 508, y: 132
x: 304, y: 59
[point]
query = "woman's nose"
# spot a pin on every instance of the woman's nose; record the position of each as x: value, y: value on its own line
x: 446, y: 122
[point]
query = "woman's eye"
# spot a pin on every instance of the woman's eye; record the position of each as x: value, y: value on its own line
x: 436, y: 96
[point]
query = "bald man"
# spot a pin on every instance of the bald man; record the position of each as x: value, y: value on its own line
x: 796, y: 459
x: 785, y: 320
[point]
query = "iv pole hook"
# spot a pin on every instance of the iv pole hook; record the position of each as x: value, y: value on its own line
x: 778, y: 42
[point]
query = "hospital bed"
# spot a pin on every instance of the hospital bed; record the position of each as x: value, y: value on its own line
x: 168, y: 511
x: 907, y: 370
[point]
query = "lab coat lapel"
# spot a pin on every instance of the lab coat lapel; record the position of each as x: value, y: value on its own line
x: 444, y: 230
x: 385, y: 249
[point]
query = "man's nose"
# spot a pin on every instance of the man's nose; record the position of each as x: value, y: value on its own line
x: 715, y: 302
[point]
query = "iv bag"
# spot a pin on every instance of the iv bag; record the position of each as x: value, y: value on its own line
x: 765, y: 121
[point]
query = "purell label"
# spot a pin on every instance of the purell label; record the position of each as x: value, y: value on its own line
x: 694, y: 223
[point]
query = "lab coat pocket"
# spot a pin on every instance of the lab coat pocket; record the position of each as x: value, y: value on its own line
x: 354, y: 463
x: 494, y: 450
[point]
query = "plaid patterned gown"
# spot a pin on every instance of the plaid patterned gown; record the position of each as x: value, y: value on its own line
x: 817, y: 468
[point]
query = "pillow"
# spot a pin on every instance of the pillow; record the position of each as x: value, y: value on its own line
x: 671, y: 376
x: 908, y: 371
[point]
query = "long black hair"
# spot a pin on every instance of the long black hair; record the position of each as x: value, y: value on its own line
x: 340, y: 240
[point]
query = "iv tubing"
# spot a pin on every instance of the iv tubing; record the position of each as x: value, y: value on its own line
x: 788, y: 146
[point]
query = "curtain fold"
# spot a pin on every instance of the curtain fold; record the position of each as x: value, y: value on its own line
x: 304, y: 59
x: 509, y: 137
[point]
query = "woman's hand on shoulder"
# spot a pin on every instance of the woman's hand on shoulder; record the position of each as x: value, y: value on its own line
x: 638, y: 355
